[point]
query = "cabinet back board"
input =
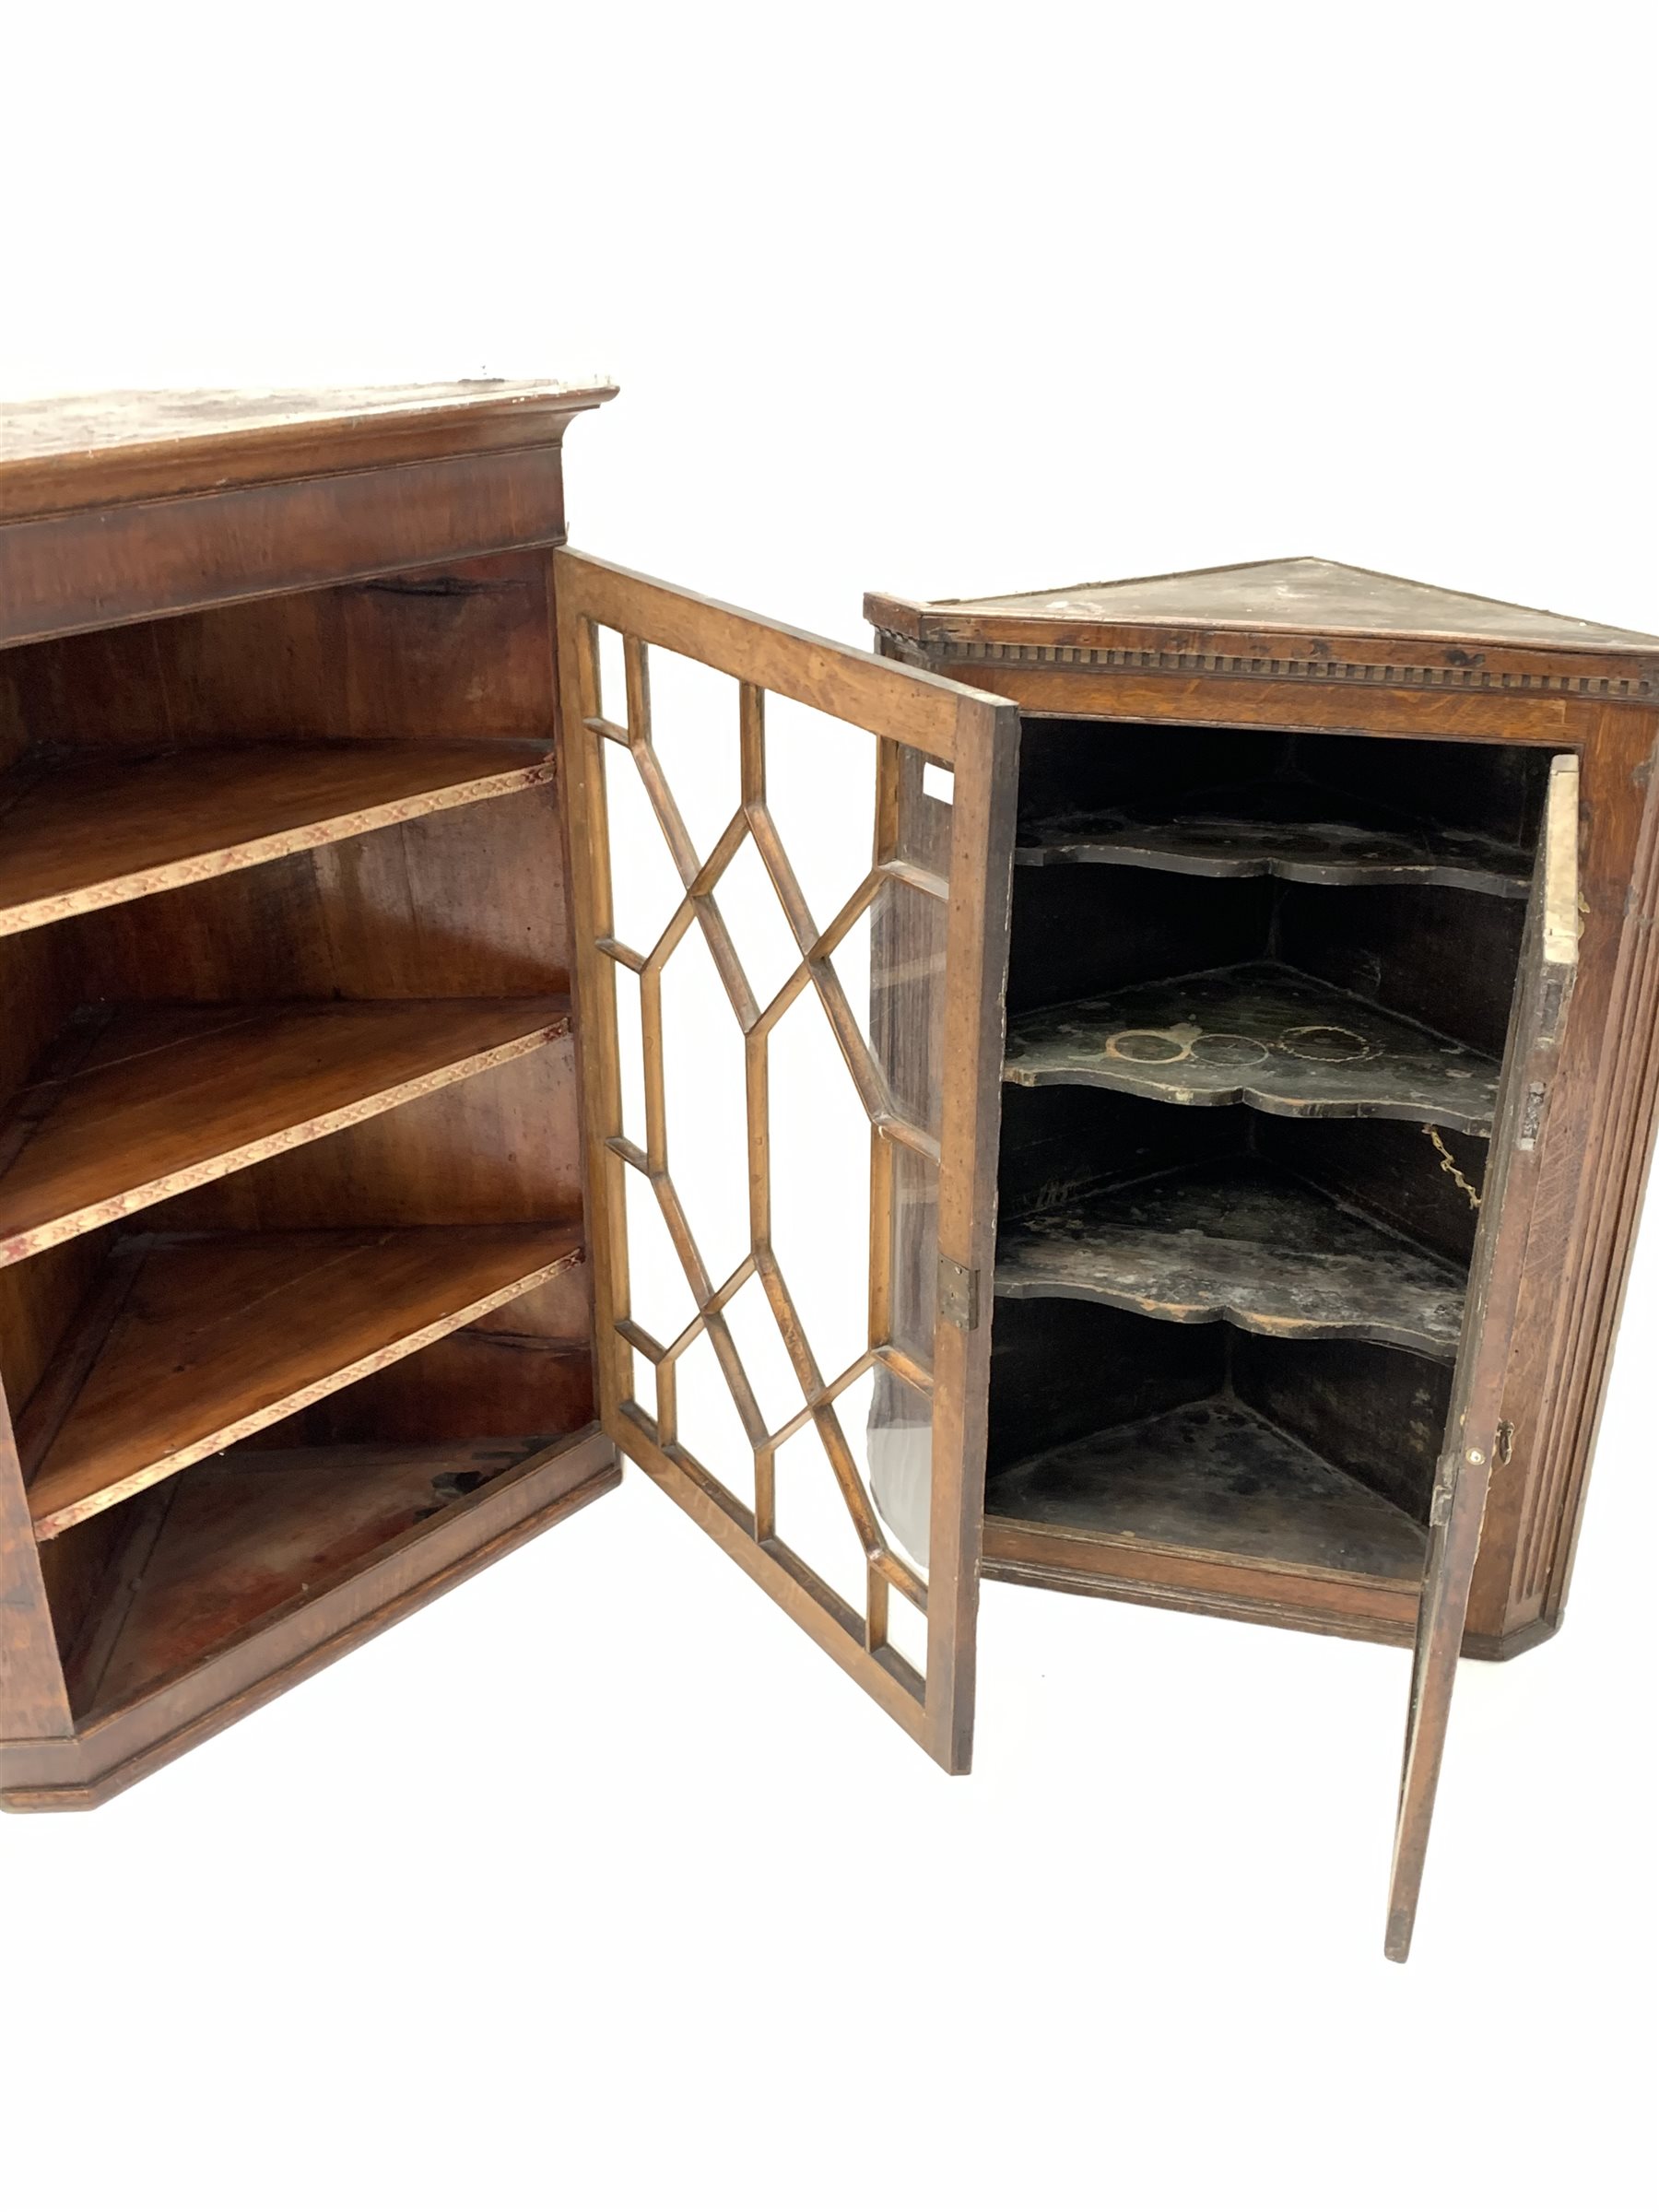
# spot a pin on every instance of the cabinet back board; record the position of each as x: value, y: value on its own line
x: 338, y: 995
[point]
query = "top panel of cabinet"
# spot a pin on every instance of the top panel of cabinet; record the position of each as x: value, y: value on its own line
x: 105, y: 448
x: 1299, y: 617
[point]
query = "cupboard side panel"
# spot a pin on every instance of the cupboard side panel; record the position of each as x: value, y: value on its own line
x: 1593, y: 1187
x: 33, y: 1700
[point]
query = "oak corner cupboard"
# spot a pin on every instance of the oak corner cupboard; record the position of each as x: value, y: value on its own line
x: 1142, y: 1090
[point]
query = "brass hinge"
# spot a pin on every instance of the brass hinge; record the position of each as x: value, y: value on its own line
x: 958, y: 1293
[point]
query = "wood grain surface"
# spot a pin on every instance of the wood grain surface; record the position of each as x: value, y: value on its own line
x: 96, y: 447
x: 248, y: 1532
x: 212, y: 1340
x: 167, y: 1098
x: 74, y: 838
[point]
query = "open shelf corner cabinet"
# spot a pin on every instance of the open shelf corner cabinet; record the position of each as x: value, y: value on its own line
x: 1242, y: 1003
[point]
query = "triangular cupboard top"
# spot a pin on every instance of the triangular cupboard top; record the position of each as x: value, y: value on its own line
x: 1322, y: 615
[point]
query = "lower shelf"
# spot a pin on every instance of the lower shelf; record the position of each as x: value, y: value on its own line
x: 190, y: 1345
x: 1213, y: 1476
x: 294, y: 1580
x: 243, y: 1536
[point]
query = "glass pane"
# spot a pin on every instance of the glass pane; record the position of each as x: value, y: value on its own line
x: 704, y: 1110
x: 630, y: 1053
x: 646, y: 890
x: 659, y: 1298
x: 765, y: 943
x: 764, y: 1355
x: 706, y: 1421
x: 612, y: 675
x: 644, y: 1382
x: 888, y: 1427
x: 891, y: 966
x: 790, y: 1131
x: 694, y: 733
x: 820, y: 792
x: 912, y: 1220
x: 926, y: 796
x: 813, y: 1519
x: 907, y: 1631
x: 820, y: 1184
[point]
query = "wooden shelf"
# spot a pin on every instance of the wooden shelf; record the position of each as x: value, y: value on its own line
x: 1293, y: 830
x: 248, y: 1534
x: 1241, y: 1242
x: 156, y: 1100
x: 1213, y: 1476
x: 1263, y: 1035
x: 91, y: 830
x: 189, y: 1345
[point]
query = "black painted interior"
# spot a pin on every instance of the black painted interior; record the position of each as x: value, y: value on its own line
x: 1103, y: 1418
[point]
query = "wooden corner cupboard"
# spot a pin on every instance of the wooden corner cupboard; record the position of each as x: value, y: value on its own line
x: 1143, y: 1088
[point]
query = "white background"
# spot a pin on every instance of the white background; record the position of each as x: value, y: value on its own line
x: 593, y: 1886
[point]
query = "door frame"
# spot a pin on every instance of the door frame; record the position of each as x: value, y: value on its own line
x: 975, y: 736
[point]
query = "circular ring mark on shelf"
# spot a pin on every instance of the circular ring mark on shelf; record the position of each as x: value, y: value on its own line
x: 1218, y: 1048
x: 1146, y: 1045
x: 1325, y: 1040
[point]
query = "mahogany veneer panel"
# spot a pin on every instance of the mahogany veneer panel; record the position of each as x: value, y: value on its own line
x: 213, y: 1340
x: 75, y: 836
x: 169, y: 1098
x: 1263, y: 1035
x: 1240, y: 1241
x: 1213, y: 1476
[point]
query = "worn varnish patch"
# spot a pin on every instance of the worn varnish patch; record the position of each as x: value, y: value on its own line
x: 1263, y: 1035
x: 1240, y: 1241
x: 1213, y: 1476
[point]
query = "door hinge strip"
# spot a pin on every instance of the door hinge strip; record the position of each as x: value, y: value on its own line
x: 1445, y: 1489
x: 1531, y: 1117
x: 958, y: 1293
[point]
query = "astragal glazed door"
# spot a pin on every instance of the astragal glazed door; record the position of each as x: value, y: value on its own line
x: 791, y: 872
